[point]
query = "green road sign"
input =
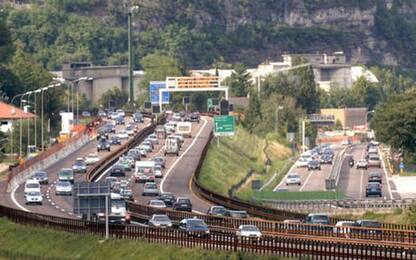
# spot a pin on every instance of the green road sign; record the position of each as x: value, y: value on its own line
x: 224, y: 125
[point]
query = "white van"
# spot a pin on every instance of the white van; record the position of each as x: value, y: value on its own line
x: 32, y: 186
x: 184, y: 129
x: 172, y: 145
x: 144, y: 171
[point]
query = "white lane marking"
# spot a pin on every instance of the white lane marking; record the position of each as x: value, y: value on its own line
x: 284, y: 177
x: 15, y: 201
x: 306, y: 181
x: 385, y: 174
x: 181, y: 156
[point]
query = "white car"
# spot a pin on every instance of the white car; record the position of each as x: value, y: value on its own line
x: 158, y: 172
x: 157, y: 204
x: 153, y: 138
x: 33, y: 197
x: 129, y: 130
x: 362, y: 163
x: 142, y: 151
x: 63, y: 188
x: 32, y: 186
x: 293, y: 178
x: 248, y: 231
x: 148, y: 148
x: 346, y: 142
x: 302, y: 162
x: 123, y: 135
x: 92, y: 158
x: 344, y: 227
x: 120, y: 112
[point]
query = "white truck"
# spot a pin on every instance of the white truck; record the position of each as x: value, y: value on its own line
x: 144, y: 171
x: 118, y: 212
x: 172, y: 145
x: 184, y: 129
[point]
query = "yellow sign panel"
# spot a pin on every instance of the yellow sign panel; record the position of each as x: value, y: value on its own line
x: 197, y: 82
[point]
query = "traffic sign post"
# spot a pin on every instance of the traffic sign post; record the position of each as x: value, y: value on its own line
x: 401, y: 166
x: 224, y: 126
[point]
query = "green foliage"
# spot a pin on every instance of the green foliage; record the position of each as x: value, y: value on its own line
x: 365, y: 93
x: 239, y: 82
x: 395, y: 122
x: 6, y: 45
x: 114, y: 98
x: 253, y: 114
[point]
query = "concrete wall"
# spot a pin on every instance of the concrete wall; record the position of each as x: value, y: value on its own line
x: 349, y: 117
x: 100, y: 86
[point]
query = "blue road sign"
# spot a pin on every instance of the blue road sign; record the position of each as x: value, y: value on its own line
x: 401, y: 165
x: 154, y: 87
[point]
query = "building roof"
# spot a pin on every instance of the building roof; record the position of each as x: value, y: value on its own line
x: 11, y: 112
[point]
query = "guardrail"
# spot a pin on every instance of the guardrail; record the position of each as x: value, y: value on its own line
x: 331, y: 182
x: 286, y: 245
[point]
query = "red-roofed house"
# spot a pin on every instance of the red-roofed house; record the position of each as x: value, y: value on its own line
x: 8, y: 114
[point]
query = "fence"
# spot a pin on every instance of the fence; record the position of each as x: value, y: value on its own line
x: 20, y: 173
x: 289, y: 245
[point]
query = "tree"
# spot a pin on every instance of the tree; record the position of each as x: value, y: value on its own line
x: 365, y: 93
x: 114, y: 98
x: 240, y: 81
x: 6, y: 44
x: 394, y: 122
x: 253, y: 112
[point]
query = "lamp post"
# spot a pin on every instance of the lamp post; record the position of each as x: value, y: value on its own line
x: 21, y: 122
x: 130, y: 43
x: 35, y: 119
x: 277, y: 117
x: 76, y: 83
x: 12, y: 128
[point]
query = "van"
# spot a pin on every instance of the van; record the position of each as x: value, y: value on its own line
x: 66, y: 174
x: 172, y: 145
x: 32, y: 186
x: 144, y: 171
x: 184, y: 129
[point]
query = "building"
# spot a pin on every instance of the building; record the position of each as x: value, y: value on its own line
x: 350, y: 118
x: 9, y: 114
x: 101, y: 78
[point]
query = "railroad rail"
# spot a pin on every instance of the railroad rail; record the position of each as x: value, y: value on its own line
x: 289, y: 245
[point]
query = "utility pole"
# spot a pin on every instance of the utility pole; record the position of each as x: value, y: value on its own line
x: 129, y: 16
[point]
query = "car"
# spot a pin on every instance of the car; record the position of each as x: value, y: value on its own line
x: 362, y: 164
x: 103, y: 144
x: 293, y: 178
x: 115, y: 140
x: 194, y: 117
x: 33, y: 197
x: 237, y: 214
x: 119, y: 120
x: 123, y: 135
x: 112, y: 180
x: 344, y: 227
x: 138, y: 117
x: 92, y: 158
x: 158, y: 172
x: 328, y: 151
x: 32, y: 185
x: 120, y: 112
x: 63, y: 188
x: 373, y: 189
x: 134, y: 154
x: 325, y: 159
x: 150, y: 189
x: 374, y: 227
x: 374, y: 161
x: 102, y: 113
x: 126, y: 194
x: 118, y: 170
x: 149, y: 143
x: 79, y: 166
x: 375, y: 177
x: 180, y: 138
x: 124, y: 184
x: 66, y: 174
x: 168, y: 198
x: 194, y: 227
x: 160, y: 221
x: 143, y: 151
x: 314, y: 165
x: 125, y: 163
x: 41, y: 177
x: 129, y: 130
x: 318, y: 218
x: 85, y: 114
x: 146, y: 147
x: 248, y: 231
x: 372, y: 150
x: 102, y: 134
x: 346, y: 142
x: 302, y: 162
x: 153, y: 138
x: 110, y: 127
x: 160, y: 161
x: 217, y: 211
x: 157, y: 204
x: 182, y: 204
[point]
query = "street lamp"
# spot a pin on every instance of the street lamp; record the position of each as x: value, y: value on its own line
x: 21, y: 122
x: 13, y: 112
x: 277, y: 117
x: 76, y: 82
x: 130, y: 43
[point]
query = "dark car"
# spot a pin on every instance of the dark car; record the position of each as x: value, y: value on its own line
x: 328, y: 151
x: 182, y: 204
x: 194, y: 227
x: 115, y: 140
x: 119, y: 120
x: 159, y: 161
x: 318, y: 218
x: 41, y: 177
x: 102, y: 134
x: 217, y: 211
x: 375, y: 177
x: 168, y: 198
x: 237, y: 214
x: 314, y: 165
x: 194, y: 118
x: 110, y: 128
x: 134, y: 154
x: 369, y: 224
x: 138, y: 117
x: 373, y: 189
x: 103, y: 144
x: 326, y: 159
x: 126, y: 194
x: 118, y: 170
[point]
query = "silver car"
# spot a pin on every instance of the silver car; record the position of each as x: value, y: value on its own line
x: 63, y: 188
x: 162, y: 221
x: 33, y: 197
x: 150, y: 189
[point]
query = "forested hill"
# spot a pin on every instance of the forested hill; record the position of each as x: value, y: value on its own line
x: 199, y: 33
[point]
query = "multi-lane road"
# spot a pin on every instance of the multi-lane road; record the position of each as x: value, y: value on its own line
x: 177, y: 174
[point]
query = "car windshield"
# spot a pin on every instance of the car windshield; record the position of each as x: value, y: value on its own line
x: 161, y: 218
x: 347, y: 224
x: 118, y: 203
x: 238, y: 214
x: 293, y: 176
x: 63, y: 184
x: 157, y: 203
x: 319, y: 218
x: 79, y: 162
x: 184, y: 201
x: 34, y: 193
x: 196, y: 223
x: 66, y: 173
x: 250, y: 228
x: 40, y: 174
x: 374, y: 174
x: 219, y: 210
x: 32, y: 185
x: 150, y: 186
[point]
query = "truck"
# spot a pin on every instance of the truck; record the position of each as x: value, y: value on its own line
x: 144, y: 171
x: 172, y: 145
x: 117, y: 211
x: 184, y: 128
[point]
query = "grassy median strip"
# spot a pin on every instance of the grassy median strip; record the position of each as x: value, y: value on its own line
x: 25, y: 242
x: 298, y: 195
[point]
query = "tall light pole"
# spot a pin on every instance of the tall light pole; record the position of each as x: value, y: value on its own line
x: 21, y: 123
x: 35, y: 118
x: 76, y: 87
x: 277, y: 117
x: 12, y: 129
x: 130, y: 43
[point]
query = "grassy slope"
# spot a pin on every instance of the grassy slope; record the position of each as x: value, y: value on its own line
x: 18, y: 241
x: 405, y: 217
x: 229, y: 163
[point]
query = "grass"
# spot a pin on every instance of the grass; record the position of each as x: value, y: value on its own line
x: 27, y: 242
x: 297, y: 195
x: 230, y: 162
x: 399, y: 216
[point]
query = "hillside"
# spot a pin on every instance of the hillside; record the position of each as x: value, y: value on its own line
x: 199, y: 33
